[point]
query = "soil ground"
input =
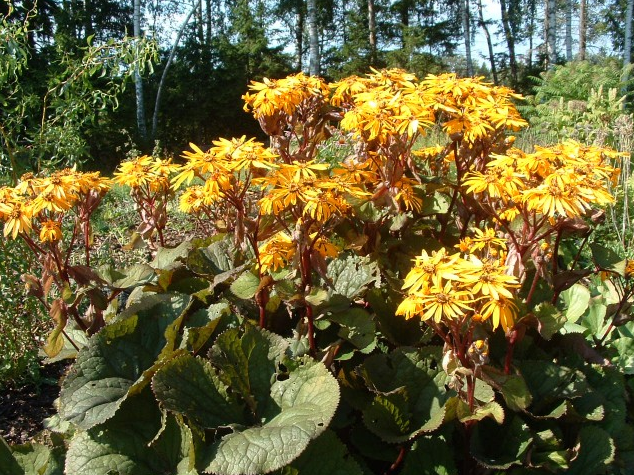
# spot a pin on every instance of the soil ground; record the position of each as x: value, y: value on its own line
x: 23, y: 408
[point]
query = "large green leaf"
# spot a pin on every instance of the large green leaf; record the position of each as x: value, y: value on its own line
x: 430, y: 455
x: 138, y: 274
x: 313, y: 462
x: 351, y: 275
x: 167, y: 257
x: 248, y: 364
x: 37, y: 459
x: 245, y: 286
x: 189, y: 385
x: 624, y: 359
x: 512, y: 386
x: 8, y: 464
x: 607, y: 259
x: 306, y: 402
x: 550, y: 383
x: 117, y: 358
x: 500, y: 446
x: 215, y: 259
x: 133, y: 442
x: 576, y: 300
x: 410, y: 393
x: 550, y: 319
x: 357, y: 326
x: 595, y: 452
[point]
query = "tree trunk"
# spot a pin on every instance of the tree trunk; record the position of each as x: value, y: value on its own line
x: 372, y: 31
x: 466, y: 31
x: 510, y: 39
x: 487, y: 35
x: 550, y: 28
x: 313, y: 37
x: 299, y: 34
x: 208, y: 16
x: 159, y: 90
x: 583, y: 28
x: 568, y: 30
x: 138, y: 81
x: 531, y: 31
x: 627, y: 48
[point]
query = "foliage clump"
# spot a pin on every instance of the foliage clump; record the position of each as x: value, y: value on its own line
x: 402, y: 310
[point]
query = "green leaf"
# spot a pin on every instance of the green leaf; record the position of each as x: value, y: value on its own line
x: 189, y: 385
x: 624, y: 359
x: 8, y: 463
x: 306, y: 402
x: 117, y: 360
x: 550, y: 319
x: 202, y: 324
x: 500, y: 446
x: 357, y: 326
x: 166, y: 257
x: 436, y: 204
x: 430, y: 455
x: 607, y: 259
x: 122, y: 445
x: 138, y: 274
x: 595, y: 452
x: 512, y: 386
x: 215, y: 259
x: 594, y: 319
x: 312, y: 461
x: 576, y: 299
x: 351, y: 275
x: 37, y: 459
x: 410, y: 393
x: 248, y: 364
x: 549, y: 383
x: 245, y: 286
x: 396, y: 329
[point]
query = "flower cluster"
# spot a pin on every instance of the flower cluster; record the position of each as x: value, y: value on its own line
x: 473, y: 285
x: 562, y: 181
x: 149, y: 180
x: 41, y: 203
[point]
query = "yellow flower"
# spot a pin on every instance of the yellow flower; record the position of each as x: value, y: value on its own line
x: 431, y: 269
x: 488, y: 278
x: 486, y: 239
x: 51, y: 231
x: 502, y: 312
x: 437, y: 303
x: 276, y: 252
x: 192, y: 200
x: 18, y: 219
x: 324, y: 247
x: 51, y: 202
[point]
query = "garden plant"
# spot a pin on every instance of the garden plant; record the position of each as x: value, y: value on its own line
x: 360, y: 304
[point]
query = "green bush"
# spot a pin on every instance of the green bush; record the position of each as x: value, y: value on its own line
x: 412, y: 311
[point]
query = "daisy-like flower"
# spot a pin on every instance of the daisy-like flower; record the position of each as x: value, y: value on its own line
x: 431, y: 269
x: 50, y: 231
x: 17, y: 219
x: 488, y: 278
x: 276, y: 252
x: 441, y: 302
x: 501, y: 312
